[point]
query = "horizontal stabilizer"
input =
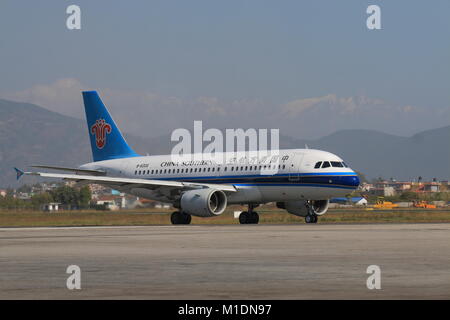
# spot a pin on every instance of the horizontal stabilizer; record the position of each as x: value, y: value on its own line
x: 19, y: 173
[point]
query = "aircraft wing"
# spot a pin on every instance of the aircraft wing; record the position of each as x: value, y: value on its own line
x: 115, y: 182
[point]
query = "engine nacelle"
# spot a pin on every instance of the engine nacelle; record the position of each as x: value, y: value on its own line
x: 204, y: 202
x: 299, y: 208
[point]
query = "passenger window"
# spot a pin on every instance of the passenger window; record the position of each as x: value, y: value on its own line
x: 225, y: 169
x: 326, y: 164
x: 317, y: 166
x: 209, y: 169
x: 232, y: 168
x: 213, y: 169
x: 336, y: 164
x: 246, y: 168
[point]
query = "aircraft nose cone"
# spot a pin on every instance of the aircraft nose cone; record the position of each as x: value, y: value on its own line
x: 356, y: 180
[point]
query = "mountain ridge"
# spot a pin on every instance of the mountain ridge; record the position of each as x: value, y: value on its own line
x: 31, y: 134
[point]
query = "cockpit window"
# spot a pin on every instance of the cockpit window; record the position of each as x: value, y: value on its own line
x: 344, y: 164
x: 326, y: 164
x: 317, y: 166
x: 336, y: 164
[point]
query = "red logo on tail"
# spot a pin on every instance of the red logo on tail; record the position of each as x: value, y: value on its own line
x: 100, y: 128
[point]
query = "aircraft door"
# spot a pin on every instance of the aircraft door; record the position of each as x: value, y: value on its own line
x: 294, y: 167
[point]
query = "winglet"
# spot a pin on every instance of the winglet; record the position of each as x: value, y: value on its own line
x: 19, y: 173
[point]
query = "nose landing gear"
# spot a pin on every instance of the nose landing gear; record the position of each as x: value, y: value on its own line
x: 311, y: 217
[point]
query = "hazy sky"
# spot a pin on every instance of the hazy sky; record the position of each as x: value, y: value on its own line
x: 260, y: 55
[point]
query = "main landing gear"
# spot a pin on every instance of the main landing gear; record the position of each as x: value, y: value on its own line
x: 178, y: 217
x: 250, y: 216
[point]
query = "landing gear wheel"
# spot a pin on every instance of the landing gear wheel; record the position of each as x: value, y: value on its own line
x: 310, y: 218
x: 249, y: 217
x: 254, y: 217
x: 244, y: 217
x: 178, y: 217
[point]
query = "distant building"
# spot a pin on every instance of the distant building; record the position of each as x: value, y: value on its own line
x: 428, y: 187
x: 110, y: 202
x: 23, y: 196
x: 357, y: 201
x: 116, y: 202
x: 383, y: 191
x: 161, y: 205
x: 50, y: 207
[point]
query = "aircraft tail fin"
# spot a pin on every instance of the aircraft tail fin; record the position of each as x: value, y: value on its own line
x: 107, y: 142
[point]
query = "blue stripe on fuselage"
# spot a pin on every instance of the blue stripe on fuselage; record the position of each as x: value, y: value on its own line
x: 347, y: 180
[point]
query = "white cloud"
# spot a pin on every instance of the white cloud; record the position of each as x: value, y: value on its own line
x: 147, y: 113
x: 62, y: 96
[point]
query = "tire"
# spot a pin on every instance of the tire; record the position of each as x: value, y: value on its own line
x: 186, y: 218
x: 178, y: 217
x: 175, y: 217
x: 255, y: 218
x: 309, y: 218
x: 244, y: 217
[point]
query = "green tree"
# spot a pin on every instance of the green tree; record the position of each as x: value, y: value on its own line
x: 39, y: 199
x: 73, y: 197
x: 408, y: 195
x: 84, y: 197
x: 65, y: 195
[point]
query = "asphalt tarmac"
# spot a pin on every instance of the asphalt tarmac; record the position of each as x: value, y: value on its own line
x: 227, y: 262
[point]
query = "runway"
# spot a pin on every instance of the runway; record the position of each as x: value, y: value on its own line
x: 227, y: 262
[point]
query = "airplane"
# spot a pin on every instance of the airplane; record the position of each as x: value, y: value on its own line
x: 301, y: 181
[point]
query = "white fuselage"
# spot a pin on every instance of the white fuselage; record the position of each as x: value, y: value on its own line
x: 291, y: 175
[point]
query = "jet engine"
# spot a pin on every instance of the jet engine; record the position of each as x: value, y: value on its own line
x: 203, y: 202
x: 299, y: 208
